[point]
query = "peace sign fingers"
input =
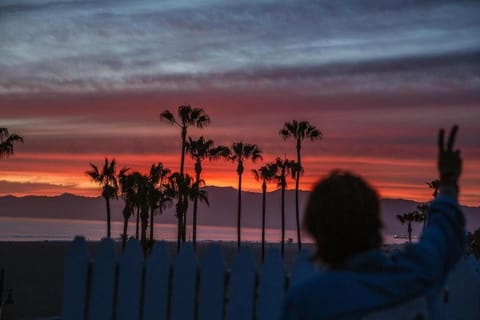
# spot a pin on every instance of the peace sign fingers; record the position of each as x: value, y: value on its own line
x: 449, y: 161
x: 451, y: 138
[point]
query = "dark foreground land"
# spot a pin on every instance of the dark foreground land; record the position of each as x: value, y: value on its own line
x: 34, y: 272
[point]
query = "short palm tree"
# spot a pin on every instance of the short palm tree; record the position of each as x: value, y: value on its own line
x: 180, y: 186
x: 137, y: 179
x: 127, y: 192
x: 239, y: 153
x: 7, y: 141
x: 409, y: 218
x: 144, y: 187
x: 299, y: 130
x: 435, y: 185
x: 264, y: 174
x: 157, y: 195
x: 473, y: 244
x: 284, y: 168
x: 107, y: 179
x: 200, y: 150
x: 195, y: 194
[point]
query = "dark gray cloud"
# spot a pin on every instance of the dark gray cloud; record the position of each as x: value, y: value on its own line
x: 101, y: 46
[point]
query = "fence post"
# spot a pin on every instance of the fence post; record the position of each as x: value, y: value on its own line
x: 130, y: 278
x: 271, y: 286
x: 157, y: 283
x: 241, y: 291
x: 184, y: 284
x: 103, y: 281
x: 76, y: 278
x: 212, y: 285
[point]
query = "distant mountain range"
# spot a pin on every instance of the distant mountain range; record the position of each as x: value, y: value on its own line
x: 221, y: 212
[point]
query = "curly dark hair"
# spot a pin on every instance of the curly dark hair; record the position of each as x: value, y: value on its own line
x: 343, y: 216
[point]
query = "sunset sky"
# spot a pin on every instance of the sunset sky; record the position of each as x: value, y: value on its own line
x: 85, y: 80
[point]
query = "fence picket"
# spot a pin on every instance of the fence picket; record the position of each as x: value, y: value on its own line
x: 157, y: 283
x: 271, y: 286
x: 130, y: 276
x: 474, y: 263
x: 241, y: 291
x: 75, y: 280
x: 184, y: 284
x: 464, y: 293
x: 103, y: 282
x: 212, y: 285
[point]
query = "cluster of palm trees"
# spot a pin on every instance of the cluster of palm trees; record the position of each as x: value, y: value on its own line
x: 144, y: 195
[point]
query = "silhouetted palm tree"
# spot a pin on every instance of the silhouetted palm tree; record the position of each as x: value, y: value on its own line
x: 264, y: 174
x: 157, y: 195
x: 187, y: 117
x: 137, y: 179
x: 299, y: 130
x: 473, y: 244
x: 180, y: 186
x: 435, y: 185
x: 239, y: 153
x: 143, y: 200
x: 423, y: 212
x: 127, y: 187
x: 284, y: 168
x: 107, y: 179
x: 409, y: 218
x: 200, y: 150
x: 195, y: 194
x: 7, y: 141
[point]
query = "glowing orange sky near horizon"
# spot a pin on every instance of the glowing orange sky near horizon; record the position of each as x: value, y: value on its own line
x: 393, y: 147
x: 61, y: 173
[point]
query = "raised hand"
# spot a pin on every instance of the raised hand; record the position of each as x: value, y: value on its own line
x: 449, y: 160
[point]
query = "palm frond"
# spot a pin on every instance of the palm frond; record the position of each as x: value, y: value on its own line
x: 167, y: 116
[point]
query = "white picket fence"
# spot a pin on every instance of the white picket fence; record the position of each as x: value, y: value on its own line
x: 185, y: 289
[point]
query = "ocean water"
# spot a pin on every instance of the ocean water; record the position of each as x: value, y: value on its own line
x: 35, y: 229
x: 39, y: 229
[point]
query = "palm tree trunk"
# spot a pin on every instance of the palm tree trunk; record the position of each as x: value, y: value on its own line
x: 124, y: 235
x: 239, y: 211
x: 297, y: 212
x: 181, y: 215
x: 264, y: 202
x: 184, y: 229
x: 283, y: 221
x: 182, y: 157
x: 185, y: 209
x: 195, y: 208
x: 179, y: 225
x: 144, y: 227
x: 108, y: 218
x: 409, y: 232
x: 137, y: 226
x: 152, y: 211
x: 297, y: 186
